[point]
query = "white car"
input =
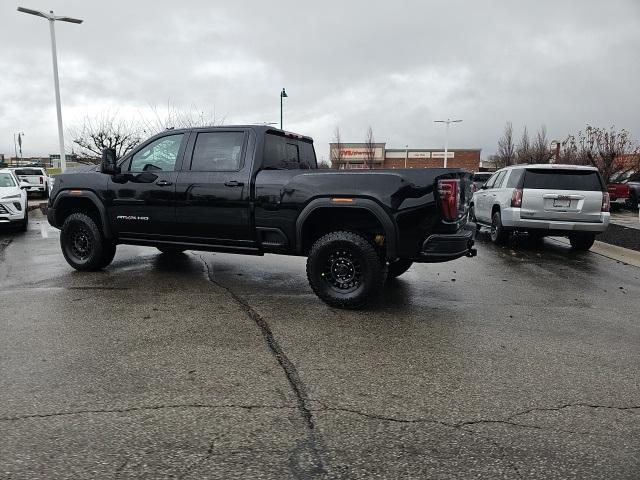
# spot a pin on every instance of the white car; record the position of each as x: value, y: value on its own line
x: 544, y: 200
x: 13, y: 200
x: 37, y: 179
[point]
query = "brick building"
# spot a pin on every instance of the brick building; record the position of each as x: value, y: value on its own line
x: 354, y: 155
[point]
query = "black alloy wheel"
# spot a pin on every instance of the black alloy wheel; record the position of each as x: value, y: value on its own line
x: 83, y: 245
x: 345, y: 270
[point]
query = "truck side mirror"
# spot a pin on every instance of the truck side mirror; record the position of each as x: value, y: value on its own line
x: 109, y: 163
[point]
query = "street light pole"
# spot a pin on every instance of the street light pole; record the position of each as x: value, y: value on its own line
x: 406, y: 155
x: 56, y: 83
x: 283, y: 94
x: 448, y: 121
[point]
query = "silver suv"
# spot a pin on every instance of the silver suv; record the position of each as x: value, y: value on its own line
x: 554, y: 200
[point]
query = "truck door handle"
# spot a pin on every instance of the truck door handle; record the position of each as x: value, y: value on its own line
x: 233, y: 183
x: 163, y: 183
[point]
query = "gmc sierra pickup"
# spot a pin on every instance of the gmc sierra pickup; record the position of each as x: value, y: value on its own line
x: 256, y: 190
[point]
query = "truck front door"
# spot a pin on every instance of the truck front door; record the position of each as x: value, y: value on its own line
x: 142, y: 199
x: 213, y: 191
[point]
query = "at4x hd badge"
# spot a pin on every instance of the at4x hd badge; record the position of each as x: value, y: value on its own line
x: 131, y: 217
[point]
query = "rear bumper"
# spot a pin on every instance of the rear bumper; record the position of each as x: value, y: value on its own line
x: 511, y: 219
x: 446, y: 247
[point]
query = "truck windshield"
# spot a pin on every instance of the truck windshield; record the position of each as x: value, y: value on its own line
x: 557, y: 179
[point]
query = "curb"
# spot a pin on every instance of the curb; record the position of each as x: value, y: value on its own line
x: 620, y: 254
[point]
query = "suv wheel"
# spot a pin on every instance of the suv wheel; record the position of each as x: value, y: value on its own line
x: 83, y: 245
x: 344, y: 270
x: 499, y: 235
x: 397, y: 268
x: 171, y: 250
x: 582, y: 241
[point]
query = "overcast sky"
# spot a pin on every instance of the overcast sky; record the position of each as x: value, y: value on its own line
x: 395, y: 65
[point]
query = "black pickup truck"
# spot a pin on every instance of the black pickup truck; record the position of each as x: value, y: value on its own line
x: 255, y: 190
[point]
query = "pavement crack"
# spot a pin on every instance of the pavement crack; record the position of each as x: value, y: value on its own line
x: 139, y: 409
x: 314, y: 465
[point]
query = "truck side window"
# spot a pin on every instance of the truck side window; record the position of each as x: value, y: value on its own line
x: 282, y: 153
x: 158, y: 155
x: 217, y: 151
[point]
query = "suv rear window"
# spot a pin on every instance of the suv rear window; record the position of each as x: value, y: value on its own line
x: 556, y: 179
x: 29, y: 171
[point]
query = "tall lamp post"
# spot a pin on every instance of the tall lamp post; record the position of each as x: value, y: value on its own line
x: 448, y: 121
x: 17, y: 140
x: 52, y: 18
x: 283, y: 94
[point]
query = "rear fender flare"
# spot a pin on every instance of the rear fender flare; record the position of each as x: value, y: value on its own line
x: 359, y: 203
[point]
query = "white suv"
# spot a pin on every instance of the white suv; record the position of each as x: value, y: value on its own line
x: 13, y: 200
x: 554, y: 200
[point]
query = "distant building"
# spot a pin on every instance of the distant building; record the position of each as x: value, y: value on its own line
x: 353, y: 156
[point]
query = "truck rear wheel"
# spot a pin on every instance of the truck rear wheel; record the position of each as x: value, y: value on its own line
x: 397, y: 268
x: 582, y: 241
x: 83, y: 246
x: 345, y: 270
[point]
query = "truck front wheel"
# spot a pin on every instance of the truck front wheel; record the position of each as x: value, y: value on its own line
x: 345, y: 270
x: 83, y: 246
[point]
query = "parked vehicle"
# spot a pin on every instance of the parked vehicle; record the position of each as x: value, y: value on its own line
x: 479, y: 179
x: 556, y: 200
x: 256, y: 190
x: 36, y: 177
x: 13, y: 200
x: 625, y: 190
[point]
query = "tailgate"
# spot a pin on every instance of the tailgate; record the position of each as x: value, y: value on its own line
x: 562, y: 195
x: 618, y: 190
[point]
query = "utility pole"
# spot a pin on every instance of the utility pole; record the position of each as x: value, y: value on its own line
x: 406, y: 155
x: 448, y: 121
x: 52, y: 18
x: 283, y: 94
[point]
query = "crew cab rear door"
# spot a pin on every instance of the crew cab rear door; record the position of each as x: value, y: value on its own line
x: 142, y: 197
x: 568, y: 194
x: 213, y: 190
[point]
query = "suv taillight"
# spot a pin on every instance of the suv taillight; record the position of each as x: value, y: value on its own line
x: 449, y: 198
x: 516, y: 198
x: 605, y: 202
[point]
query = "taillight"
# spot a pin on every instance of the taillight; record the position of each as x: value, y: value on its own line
x: 605, y: 202
x: 449, y: 198
x: 516, y: 198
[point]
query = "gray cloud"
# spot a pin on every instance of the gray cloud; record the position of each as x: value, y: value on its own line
x: 396, y: 66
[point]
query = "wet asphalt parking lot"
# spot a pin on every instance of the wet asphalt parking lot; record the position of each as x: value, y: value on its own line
x: 520, y: 363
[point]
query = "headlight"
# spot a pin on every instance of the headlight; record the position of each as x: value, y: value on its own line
x: 12, y: 196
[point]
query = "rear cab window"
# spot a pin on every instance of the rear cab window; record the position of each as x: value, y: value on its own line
x: 285, y: 153
x: 563, y: 179
x: 29, y: 172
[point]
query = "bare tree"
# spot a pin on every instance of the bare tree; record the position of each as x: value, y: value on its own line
x: 105, y: 131
x: 370, y: 149
x: 336, y: 152
x: 523, y: 151
x: 322, y: 165
x: 158, y: 120
x: 540, y: 151
x: 611, y: 151
x: 506, y: 154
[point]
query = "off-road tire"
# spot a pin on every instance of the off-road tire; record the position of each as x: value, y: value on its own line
x: 582, y: 241
x: 397, y: 268
x: 499, y: 235
x: 345, y: 270
x: 171, y: 250
x: 107, y: 254
x: 83, y: 245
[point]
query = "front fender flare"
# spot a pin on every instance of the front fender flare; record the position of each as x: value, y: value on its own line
x: 88, y: 194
